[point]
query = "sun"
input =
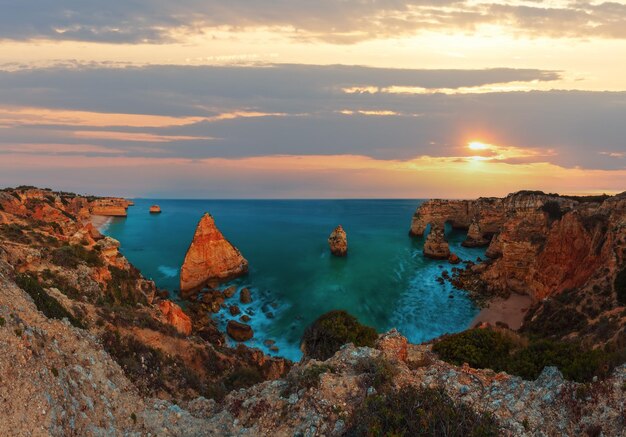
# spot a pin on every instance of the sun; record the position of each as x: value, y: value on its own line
x: 477, y: 145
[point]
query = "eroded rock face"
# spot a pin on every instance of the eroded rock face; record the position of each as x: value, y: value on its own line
x: 111, y: 207
x: 338, y: 242
x: 542, y: 244
x: 211, y: 257
x: 176, y: 317
x: 436, y: 246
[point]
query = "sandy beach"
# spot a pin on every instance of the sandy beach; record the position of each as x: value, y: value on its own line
x: 100, y: 221
x: 510, y: 311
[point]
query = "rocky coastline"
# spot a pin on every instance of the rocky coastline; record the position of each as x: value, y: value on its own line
x: 90, y: 347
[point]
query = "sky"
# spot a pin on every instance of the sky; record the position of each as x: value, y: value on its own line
x: 325, y: 99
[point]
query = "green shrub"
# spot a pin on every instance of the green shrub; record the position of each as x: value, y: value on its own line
x: 304, y: 378
x: 2, y: 321
x: 243, y: 377
x: 620, y: 286
x: 486, y: 348
x: 480, y: 348
x: 71, y: 256
x: 415, y: 412
x: 122, y: 289
x: 153, y: 371
x: 44, y: 302
x: 379, y: 371
x: 331, y: 331
x: 14, y: 232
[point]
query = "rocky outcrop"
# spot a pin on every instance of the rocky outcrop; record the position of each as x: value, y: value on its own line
x: 155, y: 209
x: 475, y: 236
x: 176, y: 317
x: 210, y: 257
x: 338, y: 242
x: 436, y: 246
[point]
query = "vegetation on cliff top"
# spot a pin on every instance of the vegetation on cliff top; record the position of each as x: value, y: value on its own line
x: 44, y: 302
x: 505, y: 351
x: 332, y: 330
x: 417, y: 412
x: 71, y: 256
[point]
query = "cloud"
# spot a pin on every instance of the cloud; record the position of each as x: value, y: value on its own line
x: 342, y: 22
x: 200, y: 113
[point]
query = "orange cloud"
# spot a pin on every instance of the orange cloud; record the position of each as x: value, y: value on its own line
x: 334, y: 176
x: 135, y: 136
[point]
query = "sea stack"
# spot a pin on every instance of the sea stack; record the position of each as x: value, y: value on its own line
x: 436, y: 246
x: 338, y: 242
x: 155, y: 209
x: 210, y: 257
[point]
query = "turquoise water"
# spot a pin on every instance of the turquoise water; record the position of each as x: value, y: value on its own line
x: 385, y: 281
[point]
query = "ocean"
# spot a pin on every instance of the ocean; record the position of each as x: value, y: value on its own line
x: 384, y: 281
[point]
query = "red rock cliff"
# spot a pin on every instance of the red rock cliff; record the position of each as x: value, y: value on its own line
x: 541, y: 244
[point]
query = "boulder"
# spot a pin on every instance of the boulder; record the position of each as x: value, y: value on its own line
x: 454, y: 259
x: 234, y: 310
x: 210, y: 257
x: 175, y: 316
x: 245, y: 296
x: 239, y: 331
x: 338, y: 242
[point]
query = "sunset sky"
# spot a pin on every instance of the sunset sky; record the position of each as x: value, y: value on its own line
x: 293, y: 98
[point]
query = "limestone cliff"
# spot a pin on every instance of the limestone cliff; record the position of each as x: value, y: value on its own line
x: 210, y: 257
x: 544, y: 245
x: 52, y: 254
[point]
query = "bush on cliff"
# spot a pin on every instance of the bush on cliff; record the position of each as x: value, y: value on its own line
x: 331, y: 331
x: 71, y: 256
x: 487, y: 348
x: 418, y: 412
x: 43, y: 301
x: 620, y: 286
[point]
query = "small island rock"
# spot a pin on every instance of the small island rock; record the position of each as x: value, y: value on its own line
x: 155, y: 209
x: 338, y: 242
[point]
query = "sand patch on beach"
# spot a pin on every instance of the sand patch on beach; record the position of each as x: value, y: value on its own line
x: 510, y: 311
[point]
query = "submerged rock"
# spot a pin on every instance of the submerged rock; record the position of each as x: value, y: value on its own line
x: 239, y: 331
x: 210, y: 257
x: 338, y: 242
x: 245, y: 296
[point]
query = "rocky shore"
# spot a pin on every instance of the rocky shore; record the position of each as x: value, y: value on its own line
x: 90, y: 347
x: 564, y: 252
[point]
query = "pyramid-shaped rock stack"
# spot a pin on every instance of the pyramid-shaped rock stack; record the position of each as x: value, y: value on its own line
x: 211, y: 257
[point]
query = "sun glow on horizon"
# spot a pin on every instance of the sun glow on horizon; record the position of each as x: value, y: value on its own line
x: 477, y: 145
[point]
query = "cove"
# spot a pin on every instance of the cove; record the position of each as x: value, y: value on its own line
x: 384, y: 281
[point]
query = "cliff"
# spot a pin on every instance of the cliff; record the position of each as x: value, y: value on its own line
x: 544, y: 246
x: 210, y: 257
x: 72, y: 307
